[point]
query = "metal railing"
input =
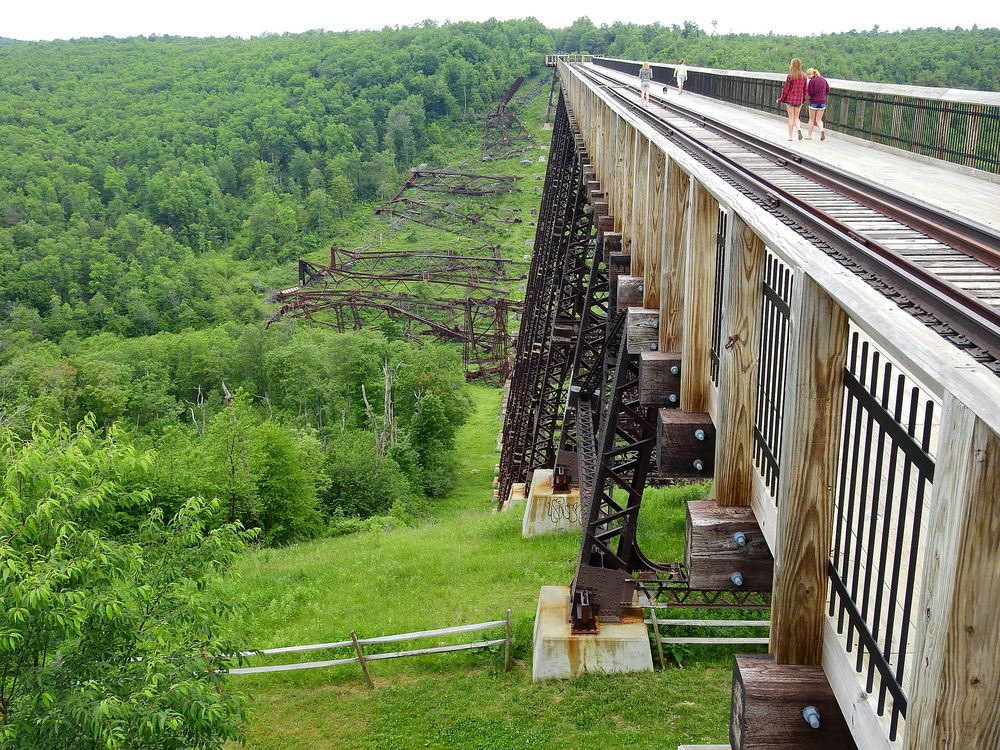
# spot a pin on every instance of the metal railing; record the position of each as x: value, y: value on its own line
x: 885, y: 478
x: 954, y: 125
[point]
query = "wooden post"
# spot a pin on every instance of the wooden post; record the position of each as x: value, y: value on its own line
x: 361, y: 658
x: 656, y: 634
x: 672, y: 268
x: 655, y: 223
x: 699, y: 295
x: 639, y: 219
x: 956, y: 681
x: 814, y: 388
x: 745, y: 255
x: 506, y: 643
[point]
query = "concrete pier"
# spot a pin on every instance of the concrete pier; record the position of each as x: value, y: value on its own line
x: 558, y: 654
x: 546, y: 511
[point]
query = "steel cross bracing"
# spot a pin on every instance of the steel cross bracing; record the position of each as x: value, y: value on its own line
x: 554, y: 216
x: 608, y: 550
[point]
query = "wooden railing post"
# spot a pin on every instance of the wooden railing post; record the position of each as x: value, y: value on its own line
x: 699, y: 292
x: 745, y: 255
x: 814, y: 397
x: 955, y: 691
x: 361, y: 658
x: 506, y: 643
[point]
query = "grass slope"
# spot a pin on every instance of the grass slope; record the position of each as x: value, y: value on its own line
x: 467, y: 565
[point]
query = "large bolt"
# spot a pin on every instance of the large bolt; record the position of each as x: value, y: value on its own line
x: 652, y: 347
x: 698, y: 464
x: 740, y: 538
x: 672, y: 398
x: 699, y: 434
x: 675, y: 370
x: 641, y: 289
x: 737, y: 579
x: 811, y: 715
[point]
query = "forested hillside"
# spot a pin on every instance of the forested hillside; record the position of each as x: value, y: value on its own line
x: 956, y: 58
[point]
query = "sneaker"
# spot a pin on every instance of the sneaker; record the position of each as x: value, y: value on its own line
x: 822, y: 135
x: 800, y: 134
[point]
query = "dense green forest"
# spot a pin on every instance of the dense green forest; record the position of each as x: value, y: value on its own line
x: 154, y: 193
x: 956, y: 58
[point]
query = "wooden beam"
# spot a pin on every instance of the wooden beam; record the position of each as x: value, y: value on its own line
x: 639, y: 221
x: 811, y: 426
x: 672, y: 268
x: 699, y: 295
x: 745, y: 255
x: 655, y: 225
x: 956, y: 682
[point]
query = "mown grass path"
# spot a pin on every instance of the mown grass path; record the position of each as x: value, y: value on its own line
x: 467, y: 565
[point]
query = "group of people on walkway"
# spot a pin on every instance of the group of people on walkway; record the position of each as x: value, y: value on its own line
x: 800, y: 86
x: 646, y: 79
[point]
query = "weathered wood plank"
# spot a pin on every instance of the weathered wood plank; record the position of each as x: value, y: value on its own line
x: 767, y: 704
x: 655, y: 224
x: 738, y: 364
x: 639, y: 220
x: 672, y: 259
x: 956, y: 680
x: 719, y: 542
x: 699, y: 294
x: 641, y: 329
x: 659, y: 379
x: 810, y: 443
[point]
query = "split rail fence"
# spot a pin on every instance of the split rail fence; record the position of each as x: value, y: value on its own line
x: 363, y: 659
x: 867, y: 446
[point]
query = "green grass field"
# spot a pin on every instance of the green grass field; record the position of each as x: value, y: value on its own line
x: 465, y: 565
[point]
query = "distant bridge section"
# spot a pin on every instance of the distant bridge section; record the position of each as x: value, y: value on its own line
x: 955, y: 125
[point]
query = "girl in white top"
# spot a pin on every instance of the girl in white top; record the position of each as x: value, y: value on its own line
x: 681, y: 74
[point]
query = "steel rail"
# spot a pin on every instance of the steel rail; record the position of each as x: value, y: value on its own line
x: 969, y: 316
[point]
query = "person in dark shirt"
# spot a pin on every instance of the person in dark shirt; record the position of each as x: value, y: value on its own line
x: 817, y: 89
x: 793, y: 96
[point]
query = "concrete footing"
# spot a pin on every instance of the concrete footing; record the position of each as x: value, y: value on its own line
x: 546, y: 511
x: 516, y: 496
x: 558, y: 654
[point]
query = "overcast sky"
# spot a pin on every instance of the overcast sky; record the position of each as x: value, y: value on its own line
x: 66, y: 19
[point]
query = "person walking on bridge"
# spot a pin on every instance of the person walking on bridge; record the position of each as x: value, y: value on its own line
x: 681, y: 74
x: 793, y: 96
x: 817, y: 89
x: 645, y: 81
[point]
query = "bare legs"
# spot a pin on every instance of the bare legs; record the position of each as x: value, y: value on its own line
x: 793, y: 120
x: 644, y: 93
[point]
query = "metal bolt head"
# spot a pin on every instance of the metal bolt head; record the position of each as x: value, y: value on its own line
x: 740, y: 539
x: 672, y: 398
x: 737, y: 578
x: 698, y: 464
x: 641, y: 289
x: 675, y: 370
x: 652, y: 347
x: 811, y: 715
x: 699, y: 434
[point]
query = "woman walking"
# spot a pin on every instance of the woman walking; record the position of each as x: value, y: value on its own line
x: 817, y: 89
x: 681, y: 74
x: 793, y: 95
x: 645, y: 81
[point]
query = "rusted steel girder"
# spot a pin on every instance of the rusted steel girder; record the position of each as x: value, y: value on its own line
x: 555, y: 216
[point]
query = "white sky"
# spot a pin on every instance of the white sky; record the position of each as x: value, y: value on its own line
x: 66, y: 19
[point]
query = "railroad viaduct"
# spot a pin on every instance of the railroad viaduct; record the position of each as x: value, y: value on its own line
x: 823, y: 346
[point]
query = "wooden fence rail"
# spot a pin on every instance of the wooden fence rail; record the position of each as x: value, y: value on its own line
x: 362, y: 658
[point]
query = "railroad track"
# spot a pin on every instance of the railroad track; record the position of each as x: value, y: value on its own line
x: 942, y: 268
